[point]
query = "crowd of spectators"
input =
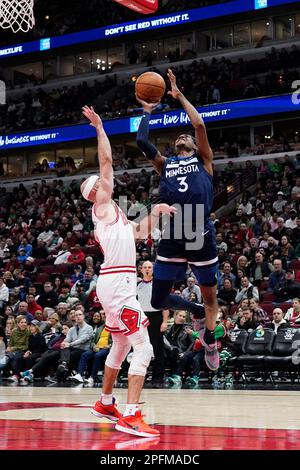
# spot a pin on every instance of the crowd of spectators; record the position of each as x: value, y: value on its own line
x: 203, y: 83
x: 49, y: 263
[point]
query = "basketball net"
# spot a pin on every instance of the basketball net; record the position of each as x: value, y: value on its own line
x: 17, y: 15
x: 141, y: 6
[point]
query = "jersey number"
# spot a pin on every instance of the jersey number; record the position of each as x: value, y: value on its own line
x: 184, y: 186
x: 131, y: 320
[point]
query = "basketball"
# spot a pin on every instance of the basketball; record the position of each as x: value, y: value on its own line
x: 150, y: 87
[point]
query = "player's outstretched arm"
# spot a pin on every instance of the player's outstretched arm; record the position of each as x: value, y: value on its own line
x: 142, y: 138
x: 146, y: 225
x: 196, y: 120
x: 106, y: 184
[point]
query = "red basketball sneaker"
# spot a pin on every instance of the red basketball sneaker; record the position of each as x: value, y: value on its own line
x: 106, y: 411
x: 136, y: 425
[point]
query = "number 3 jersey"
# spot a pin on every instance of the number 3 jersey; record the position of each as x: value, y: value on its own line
x: 184, y: 180
x: 117, y: 281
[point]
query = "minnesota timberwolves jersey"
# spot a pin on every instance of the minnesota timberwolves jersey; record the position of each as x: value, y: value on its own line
x: 185, y: 181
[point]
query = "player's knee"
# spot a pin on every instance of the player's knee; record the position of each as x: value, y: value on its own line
x: 142, y: 355
x: 116, y: 356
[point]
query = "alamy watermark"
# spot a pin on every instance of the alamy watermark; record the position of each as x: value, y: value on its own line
x: 187, y: 224
x: 296, y: 94
x: 2, y: 92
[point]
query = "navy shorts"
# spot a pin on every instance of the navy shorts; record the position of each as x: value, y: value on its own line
x: 173, y: 258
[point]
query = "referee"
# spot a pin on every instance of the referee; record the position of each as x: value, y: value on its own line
x: 158, y: 323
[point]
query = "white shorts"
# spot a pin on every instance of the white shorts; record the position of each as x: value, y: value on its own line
x: 117, y: 294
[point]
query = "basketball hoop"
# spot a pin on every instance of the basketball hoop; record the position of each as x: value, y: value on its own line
x: 17, y: 15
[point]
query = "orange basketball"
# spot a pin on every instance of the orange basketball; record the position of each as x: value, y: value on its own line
x: 150, y: 87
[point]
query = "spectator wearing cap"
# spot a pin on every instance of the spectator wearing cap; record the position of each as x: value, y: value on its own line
x: 36, y: 347
x: 279, y: 204
x: 29, y: 267
x: 78, y: 274
x: 291, y: 222
x: 277, y: 276
x: 287, y: 289
x: 32, y: 305
x: 80, y: 294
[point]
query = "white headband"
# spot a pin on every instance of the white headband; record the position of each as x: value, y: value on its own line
x: 90, y: 182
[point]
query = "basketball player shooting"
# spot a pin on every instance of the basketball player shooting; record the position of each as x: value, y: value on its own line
x: 117, y: 289
x: 186, y: 179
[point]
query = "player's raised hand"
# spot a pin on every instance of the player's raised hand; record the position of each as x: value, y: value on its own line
x: 148, y: 107
x: 94, y: 118
x: 175, y: 92
x: 163, y: 209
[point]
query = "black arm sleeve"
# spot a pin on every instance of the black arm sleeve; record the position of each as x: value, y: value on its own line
x: 142, y: 138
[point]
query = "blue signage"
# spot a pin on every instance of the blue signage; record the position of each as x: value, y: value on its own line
x: 177, y: 118
x: 45, y: 44
x: 152, y: 23
x: 260, y: 4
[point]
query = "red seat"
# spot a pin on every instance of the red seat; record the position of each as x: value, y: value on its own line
x: 39, y: 261
x: 42, y: 278
x: 47, y: 269
x: 268, y: 307
x: 268, y: 297
x: 264, y: 285
x: 295, y: 264
x: 61, y: 268
x: 234, y: 309
x: 285, y: 306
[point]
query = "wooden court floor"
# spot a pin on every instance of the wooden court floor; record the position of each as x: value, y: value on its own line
x: 59, y: 418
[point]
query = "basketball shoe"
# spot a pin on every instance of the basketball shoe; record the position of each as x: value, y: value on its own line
x: 136, y: 425
x: 106, y: 411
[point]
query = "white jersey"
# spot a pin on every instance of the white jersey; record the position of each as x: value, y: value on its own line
x: 116, y: 241
x: 117, y: 282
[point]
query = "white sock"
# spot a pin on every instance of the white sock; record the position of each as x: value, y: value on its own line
x: 130, y: 409
x: 106, y: 399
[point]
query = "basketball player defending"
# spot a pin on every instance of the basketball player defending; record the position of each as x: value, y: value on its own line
x: 117, y: 289
x: 185, y: 179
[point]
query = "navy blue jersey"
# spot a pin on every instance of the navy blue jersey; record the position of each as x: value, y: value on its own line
x: 185, y: 181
